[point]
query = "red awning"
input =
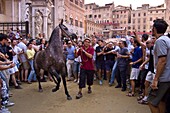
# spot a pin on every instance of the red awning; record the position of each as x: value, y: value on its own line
x: 141, y: 33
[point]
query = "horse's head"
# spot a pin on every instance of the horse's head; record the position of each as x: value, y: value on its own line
x: 66, y: 33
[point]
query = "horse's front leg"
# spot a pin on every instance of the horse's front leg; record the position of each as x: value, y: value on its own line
x: 54, y: 73
x: 65, y: 85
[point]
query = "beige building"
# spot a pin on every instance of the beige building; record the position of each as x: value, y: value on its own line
x: 93, y: 28
x: 101, y: 15
x: 43, y: 15
x: 121, y: 20
x: 167, y: 13
x: 74, y: 16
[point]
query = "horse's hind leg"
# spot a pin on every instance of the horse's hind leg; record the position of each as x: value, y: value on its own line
x: 65, y: 85
x: 54, y: 73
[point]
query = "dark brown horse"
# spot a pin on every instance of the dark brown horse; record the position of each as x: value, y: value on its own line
x: 52, y: 60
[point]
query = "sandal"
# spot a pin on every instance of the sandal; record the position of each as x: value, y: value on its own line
x: 130, y: 95
x: 140, y: 97
x: 143, y: 102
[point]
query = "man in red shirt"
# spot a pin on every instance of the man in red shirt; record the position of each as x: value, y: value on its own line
x: 87, y: 67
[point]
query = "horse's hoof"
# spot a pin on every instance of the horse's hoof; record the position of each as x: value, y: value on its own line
x: 69, y: 98
x: 55, y: 89
x: 40, y: 90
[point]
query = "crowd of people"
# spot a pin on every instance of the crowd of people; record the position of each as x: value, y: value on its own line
x: 135, y: 64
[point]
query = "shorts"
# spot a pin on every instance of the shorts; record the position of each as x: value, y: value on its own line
x: 109, y: 65
x: 134, y: 74
x: 86, y: 75
x: 25, y: 65
x: 100, y: 65
x: 161, y: 94
x: 13, y: 70
x: 150, y: 76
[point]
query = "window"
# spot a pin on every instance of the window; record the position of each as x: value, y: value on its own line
x: 71, y: 21
x: 163, y: 18
x: 76, y: 22
x: 139, y: 20
x: 133, y: 27
x: 124, y: 22
x: 144, y: 27
x: 71, y: 0
x: 138, y: 14
x: 81, y: 4
x: 150, y: 18
x: 81, y: 24
x: 133, y: 21
x: 150, y: 11
x: 124, y: 11
x: 144, y: 14
x: 107, y: 21
x: 156, y: 11
x: 95, y: 16
x: 99, y: 16
x: 76, y: 2
x: 162, y: 11
x: 138, y: 27
x: 90, y: 16
x: 144, y: 20
x: 117, y: 16
x: 86, y: 7
x: 90, y: 7
x: 133, y: 15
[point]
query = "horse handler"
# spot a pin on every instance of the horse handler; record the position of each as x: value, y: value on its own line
x: 87, y: 67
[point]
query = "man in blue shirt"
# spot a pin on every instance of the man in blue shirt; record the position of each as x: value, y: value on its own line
x: 136, y: 62
x: 70, y: 59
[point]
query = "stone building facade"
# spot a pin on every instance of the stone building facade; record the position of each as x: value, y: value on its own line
x: 100, y: 15
x: 44, y: 15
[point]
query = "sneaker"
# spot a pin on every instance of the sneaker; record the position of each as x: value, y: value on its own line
x: 123, y: 89
x: 18, y: 87
x: 9, y: 104
x: 79, y: 95
x: 111, y: 84
x: 4, y: 110
x: 89, y: 90
x: 75, y: 80
x: 100, y: 82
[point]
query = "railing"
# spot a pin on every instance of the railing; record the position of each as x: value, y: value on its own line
x: 23, y: 27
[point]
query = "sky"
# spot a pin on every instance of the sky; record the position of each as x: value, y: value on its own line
x: 135, y: 3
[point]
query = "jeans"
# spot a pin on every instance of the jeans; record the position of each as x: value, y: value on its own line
x: 69, y: 65
x: 121, y: 75
x: 76, y: 68
x: 113, y: 72
x: 32, y: 74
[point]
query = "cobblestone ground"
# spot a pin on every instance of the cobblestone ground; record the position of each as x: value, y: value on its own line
x: 104, y: 99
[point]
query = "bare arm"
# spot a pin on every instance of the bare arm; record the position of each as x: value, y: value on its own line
x: 159, y: 70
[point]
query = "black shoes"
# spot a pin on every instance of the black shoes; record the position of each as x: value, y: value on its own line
x: 118, y: 86
x: 89, y: 90
x: 79, y: 95
x: 18, y: 87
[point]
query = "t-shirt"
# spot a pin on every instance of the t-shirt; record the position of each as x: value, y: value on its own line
x: 30, y: 53
x: 24, y: 49
x: 123, y: 61
x: 70, y: 55
x: 110, y: 56
x: 16, y: 49
x: 136, y: 55
x: 100, y: 57
x: 87, y: 63
x: 162, y: 48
